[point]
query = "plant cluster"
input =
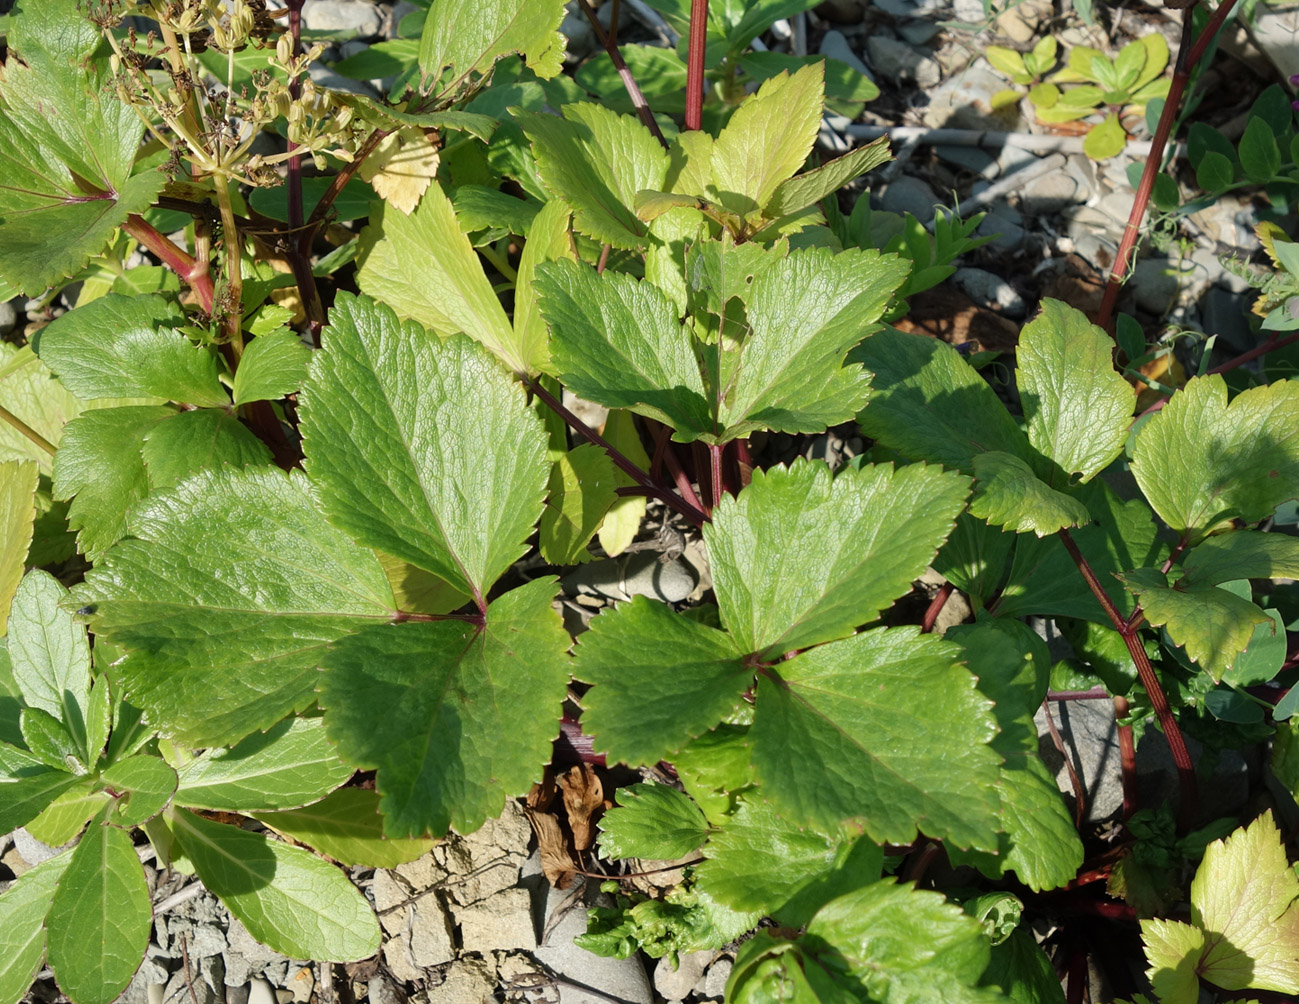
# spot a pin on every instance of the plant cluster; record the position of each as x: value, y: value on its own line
x: 301, y: 480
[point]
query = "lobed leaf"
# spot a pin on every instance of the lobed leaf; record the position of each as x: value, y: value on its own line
x: 187, y: 443
x: 652, y: 821
x: 1243, y: 554
x: 581, y: 492
x: 1008, y: 494
x: 50, y: 654
x: 272, y: 366
x: 471, y: 36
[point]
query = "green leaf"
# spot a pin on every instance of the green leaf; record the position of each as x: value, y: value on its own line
x: 1243, y: 554
x: 842, y: 732
x: 66, y: 180
x: 347, y: 826
x: 50, y: 654
x: 100, y: 467
x: 1077, y: 405
x: 636, y: 711
x: 18, y: 479
x: 142, y: 786
x: 470, y: 36
x: 619, y: 342
x: 423, y: 267
x: 1203, y: 463
x: 99, y: 919
x: 806, y: 189
x: 1263, y: 658
x: 23, y: 907
x: 902, y: 944
x: 27, y: 786
x: 974, y: 558
x: 801, y: 557
x: 767, y: 139
x: 227, y: 599
x: 68, y: 814
x: 423, y: 448
x: 762, y: 862
x: 1259, y: 154
x: 127, y: 346
x: 1213, y: 625
x: 1214, y: 172
x: 193, y: 440
x: 1008, y: 494
x: 479, y: 208
x: 548, y: 240
x: 652, y: 821
x: 661, y: 74
x: 928, y: 403
x: 806, y: 311
x: 289, y: 766
x: 29, y: 390
x: 1021, y: 970
x: 288, y: 899
x: 621, y: 523
x: 455, y: 716
x: 582, y: 487
x: 48, y: 740
x: 1245, y: 924
x: 1105, y: 140
x: 596, y: 161
x: 272, y: 366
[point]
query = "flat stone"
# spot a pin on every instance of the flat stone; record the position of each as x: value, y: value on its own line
x: 989, y: 290
x: 245, y: 957
x: 506, y: 835
x: 1091, y: 740
x: 1005, y: 226
x: 192, y: 988
x: 1155, y: 283
x: 623, y: 979
x: 909, y: 195
x: 322, y: 76
x: 431, y: 942
x: 390, y: 901
x: 964, y: 100
x: 384, y: 991
x: 642, y: 574
x: 894, y: 59
x: 422, y: 873
x: 260, y: 992
x: 969, y: 11
x: 469, y: 981
x: 32, y: 850
x: 301, y: 983
x: 396, y: 953
x: 1049, y: 193
x: 677, y: 983
x: 353, y: 16
x: 150, y: 973
x: 835, y: 46
x: 714, y: 983
x: 504, y: 921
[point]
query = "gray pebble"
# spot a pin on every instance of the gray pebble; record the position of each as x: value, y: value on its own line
x: 989, y: 290
x: 1155, y: 283
x: 8, y: 316
x: 355, y: 16
x: 676, y: 983
x: 909, y: 195
x: 835, y: 46
x: 1049, y: 193
x: 1007, y: 226
x: 714, y: 983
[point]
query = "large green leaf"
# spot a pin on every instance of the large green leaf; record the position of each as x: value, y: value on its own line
x: 469, y: 36
x: 128, y: 346
x: 1203, y: 462
x: 66, y: 178
x: 619, y: 342
x: 29, y: 390
x: 23, y: 907
x: 50, y: 654
x: 845, y: 732
x: 27, y: 786
x: 596, y: 161
x: 347, y: 826
x: 227, y: 600
x: 1008, y: 494
x: 806, y: 310
x: 974, y: 558
x: 807, y: 189
x: 273, y: 365
x: 141, y: 785
x: 802, y: 557
x: 288, y: 899
x: 1241, y: 555
x: 652, y: 821
x: 928, y: 403
x: 18, y: 479
x: 638, y: 712
x: 455, y: 716
x: 1077, y: 405
x: 423, y: 267
x: 98, y: 924
x: 548, y: 240
x: 100, y: 467
x: 422, y: 448
x: 193, y: 440
x: 582, y: 488
x: 286, y: 767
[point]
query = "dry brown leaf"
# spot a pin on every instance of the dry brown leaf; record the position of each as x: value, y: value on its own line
x: 557, y: 862
x: 583, y: 798
x: 401, y: 168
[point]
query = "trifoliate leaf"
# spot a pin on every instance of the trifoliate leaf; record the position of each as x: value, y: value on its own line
x: 100, y: 467
x: 581, y: 491
x: 422, y: 448
x: 142, y: 786
x: 548, y: 240
x: 99, y: 919
x: 596, y: 161
x: 764, y: 863
x: 1202, y: 462
x: 347, y: 826
x: 1244, y: 930
x: 1077, y: 405
x: 811, y: 187
x: 1243, y: 554
x: 455, y: 716
x: 423, y: 267
x: 470, y: 36
x: 50, y: 654
x: 839, y: 734
x: 806, y: 310
x: 288, y: 899
x: 802, y: 557
x: 638, y: 712
x: 897, y: 944
x: 31, y: 392
x: 290, y: 765
x: 767, y: 139
x: 128, y: 346
x: 224, y: 633
x: 1213, y: 625
x: 193, y: 440
x: 1008, y: 494
x: 619, y: 342
x: 23, y: 907
x: 70, y: 144
x: 17, y: 511
x: 401, y: 168
x: 928, y: 403
x: 652, y: 821
x: 272, y: 366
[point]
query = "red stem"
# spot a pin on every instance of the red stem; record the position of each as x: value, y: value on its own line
x: 1128, y: 758
x: 624, y: 72
x: 1150, y: 681
x: 695, y: 64
x: 177, y: 259
x: 715, y: 474
x: 936, y: 607
x: 1075, y: 782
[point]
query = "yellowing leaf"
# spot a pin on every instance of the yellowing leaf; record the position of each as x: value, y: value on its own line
x: 401, y: 168
x: 17, y: 510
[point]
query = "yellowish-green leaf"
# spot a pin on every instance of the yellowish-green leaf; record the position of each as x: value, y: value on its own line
x: 401, y: 168
x: 1008, y: 494
x: 548, y: 240
x: 581, y: 490
x: 347, y: 826
x: 17, y: 511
